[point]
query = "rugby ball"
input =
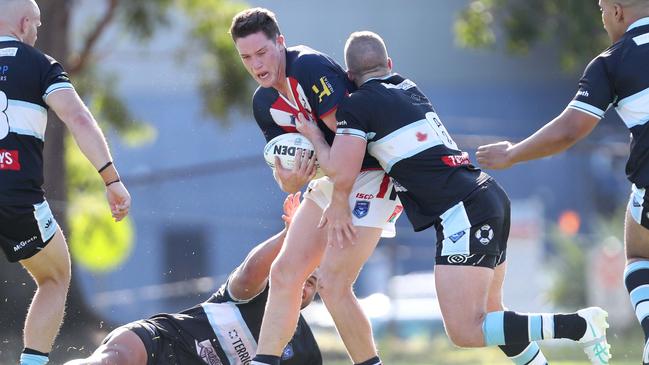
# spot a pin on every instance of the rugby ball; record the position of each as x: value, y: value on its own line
x: 285, y: 146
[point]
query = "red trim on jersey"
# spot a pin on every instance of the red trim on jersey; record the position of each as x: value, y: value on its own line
x: 384, y: 187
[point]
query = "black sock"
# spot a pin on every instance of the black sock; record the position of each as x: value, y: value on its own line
x: 571, y: 326
x: 373, y: 361
x: 29, y: 351
x: 265, y: 360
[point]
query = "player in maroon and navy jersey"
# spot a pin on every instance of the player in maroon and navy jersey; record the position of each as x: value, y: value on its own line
x: 297, y: 80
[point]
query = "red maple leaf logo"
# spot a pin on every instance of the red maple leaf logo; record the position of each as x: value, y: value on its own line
x: 422, y: 136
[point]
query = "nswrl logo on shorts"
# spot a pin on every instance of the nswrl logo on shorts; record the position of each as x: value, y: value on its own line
x: 361, y: 208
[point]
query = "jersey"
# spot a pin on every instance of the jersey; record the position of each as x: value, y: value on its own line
x: 404, y: 133
x: 229, y: 328
x: 317, y: 83
x: 619, y: 76
x: 27, y: 78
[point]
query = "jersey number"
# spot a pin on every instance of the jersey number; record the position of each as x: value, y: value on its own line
x: 4, y: 119
x: 441, y: 131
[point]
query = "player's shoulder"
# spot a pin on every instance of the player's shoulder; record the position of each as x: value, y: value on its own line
x: 304, y: 58
x: 35, y: 54
x: 264, y: 94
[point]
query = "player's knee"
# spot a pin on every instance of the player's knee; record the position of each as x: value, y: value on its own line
x: 464, y: 332
x: 464, y: 337
x: 333, y: 287
x: 281, y: 276
x: 58, y: 277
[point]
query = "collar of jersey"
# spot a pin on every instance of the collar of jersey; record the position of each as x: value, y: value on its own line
x: 379, y: 78
x: 8, y: 38
x: 639, y: 23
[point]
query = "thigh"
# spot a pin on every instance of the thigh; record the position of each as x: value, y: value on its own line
x: 53, y: 261
x: 26, y: 230
x: 342, y: 265
x: 124, y: 346
x: 304, y: 244
x: 462, y: 292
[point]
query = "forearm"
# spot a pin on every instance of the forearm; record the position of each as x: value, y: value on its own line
x: 260, y: 259
x: 90, y: 139
x: 323, y: 154
x: 553, y: 138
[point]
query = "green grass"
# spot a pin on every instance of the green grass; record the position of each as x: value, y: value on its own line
x: 439, y: 351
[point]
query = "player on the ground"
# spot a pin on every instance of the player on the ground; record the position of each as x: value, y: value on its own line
x: 297, y: 80
x: 389, y: 117
x: 222, y: 330
x: 619, y: 76
x: 30, y: 83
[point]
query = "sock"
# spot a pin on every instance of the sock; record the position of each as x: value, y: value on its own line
x: 33, y: 357
x: 373, y: 361
x: 636, y: 280
x: 265, y: 360
x: 525, y: 354
x: 508, y: 328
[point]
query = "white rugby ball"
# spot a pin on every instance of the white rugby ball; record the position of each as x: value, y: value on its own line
x: 285, y: 146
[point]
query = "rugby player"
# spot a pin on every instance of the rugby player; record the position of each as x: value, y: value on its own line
x: 618, y: 77
x: 30, y: 84
x: 222, y: 330
x: 297, y: 80
x: 389, y: 117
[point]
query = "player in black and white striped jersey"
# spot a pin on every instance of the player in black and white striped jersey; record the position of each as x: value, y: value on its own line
x: 30, y: 84
x: 224, y: 330
x: 395, y: 122
x: 617, y: 78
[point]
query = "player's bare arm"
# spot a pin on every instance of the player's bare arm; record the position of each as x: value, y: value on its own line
x: 250, y: 278
x: 555, y: 137
x: 76, y: 116
x: 308, y: 128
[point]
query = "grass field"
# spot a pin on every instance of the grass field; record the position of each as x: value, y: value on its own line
x: 438, y: 351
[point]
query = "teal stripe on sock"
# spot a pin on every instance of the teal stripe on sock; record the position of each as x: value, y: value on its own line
x: 493, y: 329
x: 639, y: 294
x: 527, y: 355
x: 536, y: 327
x: 635, y: 266
x: 29, y: 359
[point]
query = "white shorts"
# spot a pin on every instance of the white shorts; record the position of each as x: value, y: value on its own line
x: 373, y: 200
x: 637, y: 206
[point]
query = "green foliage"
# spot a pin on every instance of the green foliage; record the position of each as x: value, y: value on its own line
x: 143, y: 17
x: 568, y: 270
x: 225, y: 84
x: 574, y: 26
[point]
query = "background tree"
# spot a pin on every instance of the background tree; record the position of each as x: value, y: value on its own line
x: 225, y: 86
x: 575, y: 26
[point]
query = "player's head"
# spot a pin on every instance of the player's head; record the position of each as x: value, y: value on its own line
x: 366, y: 56
x: 618, y: 15
x: 21, y: 19
x: 309, y: 289
x: 260, y: 44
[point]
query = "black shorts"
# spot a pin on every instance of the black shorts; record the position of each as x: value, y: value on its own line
x: 25, y: 230
x: 474, y: 232
x: 171, y: 341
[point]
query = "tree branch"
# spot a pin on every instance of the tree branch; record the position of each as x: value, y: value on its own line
x: 81, y: 60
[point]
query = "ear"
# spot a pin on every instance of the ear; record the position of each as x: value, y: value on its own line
x: 619, y: 12
x: 389, y: 64
x: 24, y: 25
x: 350, y: 75
x: 280, y: 40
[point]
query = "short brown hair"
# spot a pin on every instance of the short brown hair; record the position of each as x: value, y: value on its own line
x: 365, y: 52
x: 254, y: 20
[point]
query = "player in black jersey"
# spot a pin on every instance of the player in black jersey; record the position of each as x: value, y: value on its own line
x: 618, y: 77
x: 30, y: 84
x: 221, y: 331
x: 297, y: 80
x: 390, y: 118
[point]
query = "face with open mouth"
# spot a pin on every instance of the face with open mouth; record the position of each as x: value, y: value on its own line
x: 262, y: 57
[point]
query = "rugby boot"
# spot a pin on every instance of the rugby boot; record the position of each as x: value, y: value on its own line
x: 594, y: 340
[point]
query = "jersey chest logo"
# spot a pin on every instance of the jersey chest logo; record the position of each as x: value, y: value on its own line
x: 206, y: 352
x: 9, y: 160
